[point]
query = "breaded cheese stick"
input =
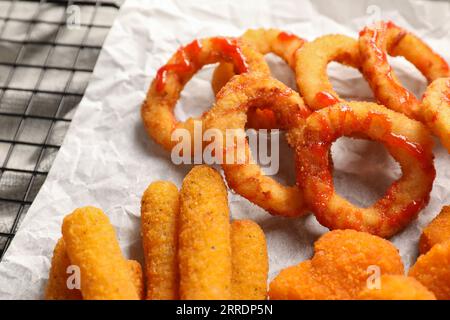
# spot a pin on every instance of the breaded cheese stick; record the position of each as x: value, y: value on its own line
x: 249, y: 260
x: 57, y: 281
x: 92, y: 245
x: 137, y: 277
x: 204, y: 240
x: 160, y: 209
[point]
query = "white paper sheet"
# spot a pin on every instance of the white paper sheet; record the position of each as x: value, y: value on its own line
x: 107, y: 160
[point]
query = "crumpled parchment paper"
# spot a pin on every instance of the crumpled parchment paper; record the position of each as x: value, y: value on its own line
x: 107, y: 160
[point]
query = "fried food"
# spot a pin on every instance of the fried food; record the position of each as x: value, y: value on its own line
x: 384, y: 38
x: 204, y: 238
x: 249, y: 260
x: 311, y: 68
x: 339, y: 269
x: 436, y: 232
x: 137, y: 277
x: 395, y: 287
x: 57, y: 288
x: 160, y: 208
x: 407, y: 140
x: 164, y: 92
x: 92, y: 245
x: 265, y: 41
x: 244, y: 176
x: 436, y: 110
x: 433, y: 271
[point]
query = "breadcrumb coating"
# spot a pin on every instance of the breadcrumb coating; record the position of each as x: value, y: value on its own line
x: 436, y: 232
x: 249, y: 260
x: 160, y: 209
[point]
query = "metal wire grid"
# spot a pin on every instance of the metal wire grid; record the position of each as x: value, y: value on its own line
x: 44, y: 67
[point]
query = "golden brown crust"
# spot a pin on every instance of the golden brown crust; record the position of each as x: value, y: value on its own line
x: 204, y: 239
x: 160, y: 210
x: 92, y: 245
x: 249, y: 260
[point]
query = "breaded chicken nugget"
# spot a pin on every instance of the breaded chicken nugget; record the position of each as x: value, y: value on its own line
x: 204, y: 239
x: 137, y: 277
x: 339, y: 269
x: 433, y: 270
x: 57, y: 288
x: 437, y: 231
x: 395, y: 287
x: 92, y: 245
x: 249, y: 260
x: 160, y: 210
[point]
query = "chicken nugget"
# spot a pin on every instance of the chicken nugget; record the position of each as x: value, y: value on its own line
x: 57, y: 288
x: 160, y: 208
x: 433, y: 270
x: 395, y: 287
x: 92, y: 245
x: 437, y: 231
x: 204, y: 239
x: 249, y: 260
x: 341, y: 267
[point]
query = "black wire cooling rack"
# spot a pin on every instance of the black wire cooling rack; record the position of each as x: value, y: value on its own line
x: 48, y: 50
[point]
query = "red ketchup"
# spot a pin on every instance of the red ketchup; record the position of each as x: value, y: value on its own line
x: 186, y: 58
x: 286, y: 36
x: 231, y: 51
x: 325, y: 99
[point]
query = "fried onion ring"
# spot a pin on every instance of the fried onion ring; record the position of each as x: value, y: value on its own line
x: 164, y: 92
x: 407, y: 140
x: 384, y: 38
x: 265, y: 41
x: 436, y: 110
x: 311, y: 67
x: 240, y: 94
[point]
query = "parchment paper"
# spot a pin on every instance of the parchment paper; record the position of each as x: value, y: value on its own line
x: 107, y: 160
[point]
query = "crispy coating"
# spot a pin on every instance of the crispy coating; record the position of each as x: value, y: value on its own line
x: 311, y: 67
x: 395, y: 287
x: 433, y: 271
x: 243, y: 93
x: 249, y: 260
x: 204, y: 238
x: 436, y: 232
x: 384, y: 38
x: 92, y: 245
x: 407, y: 140
x: 339, y: 269
x: 265, y: 41
x: 137, y: 277
x: 164, y: 92
x: 57, y: 281
x: 160, y: 209
x: 436, y: 110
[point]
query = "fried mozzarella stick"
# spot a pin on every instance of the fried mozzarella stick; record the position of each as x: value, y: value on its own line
x: 92, y: 245
x: 249, y: 260
x: 160, y: 208
x: 137, y: 277
x: 204, y: 240
x: 57, y: 288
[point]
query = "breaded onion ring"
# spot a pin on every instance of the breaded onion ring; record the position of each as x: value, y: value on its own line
x: 436, y: 110
x: 407, y: 140
x: 311, y: 67
x: 265, y: 41
x: 164, y: 92
x: 384, y: 38
x: 239, y: 95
